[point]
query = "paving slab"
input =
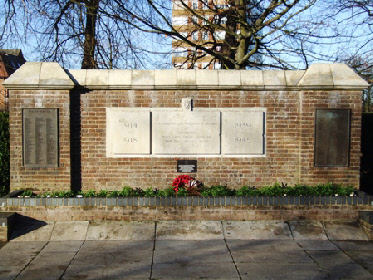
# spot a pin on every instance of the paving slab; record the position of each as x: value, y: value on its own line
x: 330, y: 258
x: 259, y: 256
x: 189, y: 230
x: 123, y: 271
x: 267, y: 245
x: 318, y: 245
x: 344, y: 231
x: 45, y: 272
x: 24, y: 247
x: 306, y: 271
x: 364, y: 258
x: 193, y: 256
x: 348, y: 271
x: 183, y: 245
x: 351, y: 245
x: 308, y: 230
x: 69, y: 231
x: 32, y: 231
x: 113, y: 258
x: 63, y: 246
x: 278, y: 230
x: 208, y: 271
x: 9, y: 272
x: 116, y: 245
x: 52, y: 259
x: 115, y: 230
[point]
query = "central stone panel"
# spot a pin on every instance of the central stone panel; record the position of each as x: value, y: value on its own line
x: 186, y: 132
x: 165, y: 132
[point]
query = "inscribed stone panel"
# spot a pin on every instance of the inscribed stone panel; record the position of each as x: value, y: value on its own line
x: 181, y: 132
x: 128, y: 131
x: 40, y: 137
x: 332, y: 137
x: 243, y: 132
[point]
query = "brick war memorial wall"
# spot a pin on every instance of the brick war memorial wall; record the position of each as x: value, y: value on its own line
x: 106, y: 129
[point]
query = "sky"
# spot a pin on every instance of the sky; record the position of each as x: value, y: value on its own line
x: 157, y: 49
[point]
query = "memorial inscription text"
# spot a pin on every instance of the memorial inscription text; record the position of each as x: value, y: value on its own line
x: 40, y: 138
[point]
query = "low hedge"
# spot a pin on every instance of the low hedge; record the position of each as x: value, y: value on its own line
x: 329, y: 189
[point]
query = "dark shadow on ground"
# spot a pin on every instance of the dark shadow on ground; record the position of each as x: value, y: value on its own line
x: 25, y: 225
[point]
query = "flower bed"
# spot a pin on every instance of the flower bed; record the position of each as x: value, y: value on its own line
x: 184, y: 187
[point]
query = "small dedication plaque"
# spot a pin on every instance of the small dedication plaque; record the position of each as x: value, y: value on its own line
x: 187, y: 166
x: 40, y: 137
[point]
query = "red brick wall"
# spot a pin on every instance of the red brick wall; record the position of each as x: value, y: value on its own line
x: 42, y: 179
x: 289, y: 140
x: 289, y: 155
x: 330, y: 99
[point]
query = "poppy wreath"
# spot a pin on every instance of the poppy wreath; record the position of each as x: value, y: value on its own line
x: 181, y: 181
x: 191, y: 185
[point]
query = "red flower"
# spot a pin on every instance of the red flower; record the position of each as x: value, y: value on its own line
x: 181, y: 181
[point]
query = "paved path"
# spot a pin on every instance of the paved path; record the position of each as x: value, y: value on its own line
x: 186, y: 250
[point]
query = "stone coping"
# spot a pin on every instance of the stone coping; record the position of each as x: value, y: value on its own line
x: 50, y: 75
x: 192, y: 201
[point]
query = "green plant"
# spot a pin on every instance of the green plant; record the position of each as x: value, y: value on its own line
x: 247, y: 191
x: 148, y: 192
x: 166, y: 192
x: 89, y: 193
x: 4, y: 154
x: 183, y: 192
x: 102, y: 193
x: 27, y: 193
x: 126, y: 191
x: 217, y: 191
x: 113, y: 194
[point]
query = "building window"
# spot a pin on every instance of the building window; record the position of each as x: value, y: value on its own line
x: 195, y: 20
x: 205, y: 65
x: 206, y: 20
x: 179, y: 20
x: 219, y: 35
x: 205, y: 4
x: 184, y: 34
x: 222, y: 7
x: 176, y: 5
x: 179, y: 52
x: 332, y: 137
x: 205, y: 35
x: 195, y: 36
x: 195, y: 4
x: 216, y: 19
x: 217, y: 66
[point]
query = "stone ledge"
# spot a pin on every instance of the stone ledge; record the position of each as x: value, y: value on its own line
x: 193, y: 201
x: 49, y: 75
x: 39, y: 75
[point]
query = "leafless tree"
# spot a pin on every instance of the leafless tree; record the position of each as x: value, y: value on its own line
x: 286, y: 34
x: 74, y: 32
